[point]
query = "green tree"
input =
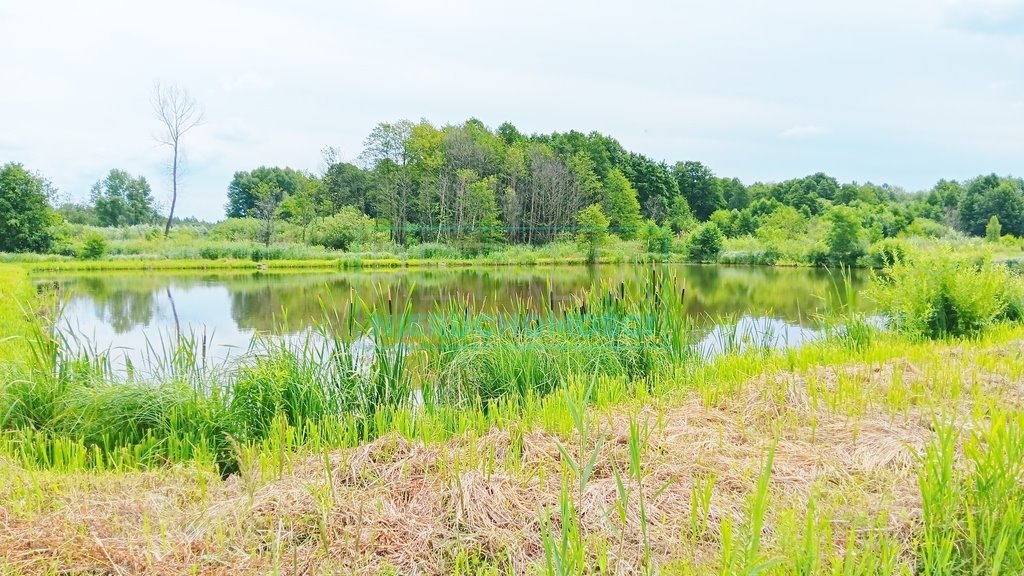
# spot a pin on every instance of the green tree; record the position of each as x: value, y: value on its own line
x: 482, y: 213
x: 121, y: 199
x: 345, y: 184
x: 988, y: 196
x: 706, y: 244
x: 94, y: 246
x: 656, y: 239
x: 593, y: 230
x: 242, y: 191
x: 75, y: 213
x: 697, y: 184
x: 843, y: 238
x: 268, y: 198
x: 347, y: 229
x: 993, y: 229
x: 735, y: 194
x: 654, y: 184
x: 386, y: 153
x: 680, y: 217
x: 621, y: 205
x: 25, y: 214
x: 301, y: 208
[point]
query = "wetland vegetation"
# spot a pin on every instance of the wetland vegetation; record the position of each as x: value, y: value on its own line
x: 447, y: 388
x: 573, y: 434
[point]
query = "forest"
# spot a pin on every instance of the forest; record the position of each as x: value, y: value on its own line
x: 466, y: 190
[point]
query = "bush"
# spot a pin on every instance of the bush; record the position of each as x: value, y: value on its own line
x: 942, y: 296
x: 433, y: 251
x: 236, y: 229
x: 886, y: 252
x: 656, y: 239
x: 767, y: 257
x: 706, y: 244
x: 926, y: 228
x: 94, y: 246
x: 843, y: 238
x: 347, y: 229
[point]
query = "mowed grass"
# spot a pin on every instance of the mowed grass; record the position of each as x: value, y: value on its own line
x: 866, y: 453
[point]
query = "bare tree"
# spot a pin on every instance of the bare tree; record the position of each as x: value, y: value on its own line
x: 177, y: 113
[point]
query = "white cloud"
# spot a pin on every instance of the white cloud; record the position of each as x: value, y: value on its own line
x: 717, y: 82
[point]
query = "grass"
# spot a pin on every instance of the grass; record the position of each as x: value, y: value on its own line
x: 16, y: 298
x: 867, y: 452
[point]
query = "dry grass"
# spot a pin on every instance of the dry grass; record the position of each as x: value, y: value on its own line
x: 848, y: 434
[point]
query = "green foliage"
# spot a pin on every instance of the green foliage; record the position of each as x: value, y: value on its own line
x: 937, y: 296
x: 706, y: 243
x: 926, y: 228
x: 81, y: 214
x: 345, y: 184
x: 988, y: 196
x: 26, y: 218
x: 621, y: 206
x: 347, y: 229
x: 123, y: 200
x: 656, y: 239
x: 972, y: 514
x: 843, y: 238
x: 236, y: 229
x: 680, y: 217
x: 244, y: 192
x: 698, y: 185
x: 593, y: 230
x: 267, y: 199
x: 993, y: 229
x: 94, y: 246
x: 654, y: 184
x: 886, y: 252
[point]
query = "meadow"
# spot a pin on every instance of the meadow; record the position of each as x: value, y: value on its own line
x: 587, y: 436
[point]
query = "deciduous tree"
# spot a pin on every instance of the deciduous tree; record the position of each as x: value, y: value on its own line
x: 178, y: 113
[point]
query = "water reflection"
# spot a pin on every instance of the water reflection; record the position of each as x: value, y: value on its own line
x: 123, y: 311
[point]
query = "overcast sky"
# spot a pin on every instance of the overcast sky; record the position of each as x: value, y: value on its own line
x: 897, y: 91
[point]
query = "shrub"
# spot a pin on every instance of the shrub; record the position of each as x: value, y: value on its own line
x: 593, y: 230
x: 886, y: 252
x: 926, y: 228
x: 94, y: 246
x: 236, y: 229
x: 993, y: 229
x: 346, y: 229
x: 706, y: 244
x: 843, y: 238
x: 656, y: 239
x: 942, y: 296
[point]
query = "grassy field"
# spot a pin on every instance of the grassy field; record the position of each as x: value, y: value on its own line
x: 587, y: 439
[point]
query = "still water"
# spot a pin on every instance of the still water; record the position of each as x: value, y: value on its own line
x: 127, y: 313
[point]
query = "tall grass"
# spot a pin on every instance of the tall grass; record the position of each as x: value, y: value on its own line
x: 636, y: 334
x: 931, y: 296
x: 64, y: 408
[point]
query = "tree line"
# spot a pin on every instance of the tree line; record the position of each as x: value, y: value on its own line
x: 469, y: 184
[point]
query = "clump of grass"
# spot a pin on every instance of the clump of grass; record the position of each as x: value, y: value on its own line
x: 637, y: 334
x: 930, y: 297
x: 974, y: 515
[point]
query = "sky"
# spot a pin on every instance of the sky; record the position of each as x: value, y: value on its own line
x: 903, y: 92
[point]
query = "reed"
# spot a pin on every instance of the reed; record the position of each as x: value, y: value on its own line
x: 517, y: 448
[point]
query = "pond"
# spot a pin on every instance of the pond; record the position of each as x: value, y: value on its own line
x: 126, y: 313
